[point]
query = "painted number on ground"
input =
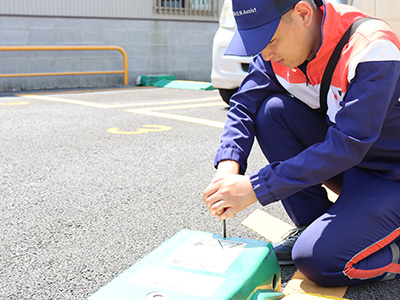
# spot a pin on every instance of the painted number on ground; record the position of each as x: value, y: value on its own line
x: 144, y: 129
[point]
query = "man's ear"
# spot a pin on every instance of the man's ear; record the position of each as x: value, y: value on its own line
x: 304, y: 11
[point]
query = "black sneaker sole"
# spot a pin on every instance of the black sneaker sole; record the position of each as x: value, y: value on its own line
x: 285, y: 262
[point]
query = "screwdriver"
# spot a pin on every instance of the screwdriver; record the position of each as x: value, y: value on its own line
x: 224, y: 228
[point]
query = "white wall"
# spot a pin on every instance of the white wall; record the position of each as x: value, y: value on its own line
x: 389, y: 10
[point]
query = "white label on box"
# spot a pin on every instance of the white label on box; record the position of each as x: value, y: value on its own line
x: 206, y: 254
x: 177, y: 281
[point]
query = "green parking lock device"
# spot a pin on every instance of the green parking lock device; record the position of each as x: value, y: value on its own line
x: 195, y: 265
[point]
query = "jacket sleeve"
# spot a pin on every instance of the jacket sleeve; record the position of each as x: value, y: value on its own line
x: 238, y: 134
x: 371, y: 95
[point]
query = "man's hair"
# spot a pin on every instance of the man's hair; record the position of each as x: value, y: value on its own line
x: 288, y: 16
x: 312, y: 3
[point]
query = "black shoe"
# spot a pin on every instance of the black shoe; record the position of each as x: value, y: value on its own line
x: 283, y: 249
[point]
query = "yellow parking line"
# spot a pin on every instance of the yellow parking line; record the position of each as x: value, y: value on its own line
x: 310, y: 296
x: 152, y: 111
x: 149, y: 112
x: 272, y: 229
x: 70, y: 101
x: 170, y: 107
x: 108, y: 106
x: 92, y: 90
x: 143, y: 130
x: 17, y: 103
x: 170, y: 102
x: 266, y: 225
x: 299, y: 285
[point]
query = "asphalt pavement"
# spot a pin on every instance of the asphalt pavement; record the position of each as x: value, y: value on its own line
x: 92, y: 181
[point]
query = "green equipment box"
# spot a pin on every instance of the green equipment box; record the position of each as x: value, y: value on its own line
x: 195, y: 265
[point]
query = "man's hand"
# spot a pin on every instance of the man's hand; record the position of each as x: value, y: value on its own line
x: 226, y: 167
x: 228, y: 194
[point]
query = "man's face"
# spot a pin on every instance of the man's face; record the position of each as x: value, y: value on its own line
x: 289, y: 46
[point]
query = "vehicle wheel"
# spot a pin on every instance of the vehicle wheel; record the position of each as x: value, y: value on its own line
x: 227, y: 94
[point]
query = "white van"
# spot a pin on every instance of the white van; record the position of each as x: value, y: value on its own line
x: 229, y: 71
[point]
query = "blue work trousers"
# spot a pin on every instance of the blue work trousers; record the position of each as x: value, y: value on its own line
x: 353, y: 240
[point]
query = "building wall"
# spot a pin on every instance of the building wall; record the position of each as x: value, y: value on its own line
x: 174, y: 45
x: 78, y: 8
x: 126, y: 9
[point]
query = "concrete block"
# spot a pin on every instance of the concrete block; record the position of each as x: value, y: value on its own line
x: 198, y: 38
x: 40, y: 23
x: 138, y: 66
x: 10, y: 55
x: 139, y: 25
x: 181, y: 75
x: 40, y: 83
x: 178, y: 38
x: 116, y: 24
x: 93, y: 54
x: 42, y: 66
x: 47, y: 55
x: 114, y: 80
x: 62, y: 23
x: 158, y: 51
x: 95, y: 65
x: 138, y: 51
x: 92, y: 37
x: 158, y: 38
x: 159, y: 65
x: 68, y: 65
x: 91, y: 81
x: 93, y: 23
x: 68, y: 37
x: 198, y: 64
x: 201, y: 75
x: 42, y: 37
x: 137, y: 38
x: 13, y: 23
x: 181, y: 64
x: 14, y: 37
x: 203, y: 50
x: 115, y: 37
x: 64, y: 54
x: 113, y: 64
x: 181, y: 51
x: 14, y: 66
x: 14, y: 84
x: 69, y: 81
x: 179, y: 26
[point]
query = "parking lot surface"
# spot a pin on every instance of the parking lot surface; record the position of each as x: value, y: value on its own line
x: 92, y: 181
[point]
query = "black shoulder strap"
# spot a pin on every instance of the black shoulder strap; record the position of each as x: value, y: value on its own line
x: 331, y: 66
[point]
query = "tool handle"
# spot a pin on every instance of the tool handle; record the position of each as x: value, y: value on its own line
x: 224, y: 227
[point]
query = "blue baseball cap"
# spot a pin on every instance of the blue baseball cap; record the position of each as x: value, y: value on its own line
x: 257, y: 21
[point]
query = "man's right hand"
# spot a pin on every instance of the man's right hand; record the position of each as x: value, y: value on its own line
x: 229, y: 192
